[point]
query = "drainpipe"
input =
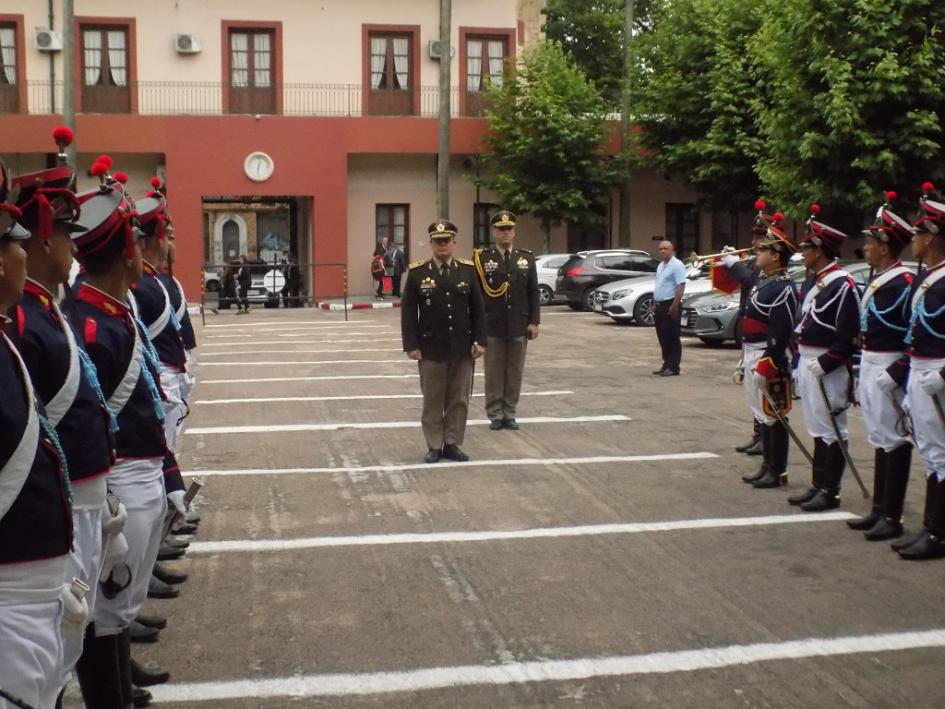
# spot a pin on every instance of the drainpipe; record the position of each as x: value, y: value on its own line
x: 52, y: 62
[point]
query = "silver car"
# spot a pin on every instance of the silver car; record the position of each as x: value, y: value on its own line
x: 547, y: 266
x: 631, y: 300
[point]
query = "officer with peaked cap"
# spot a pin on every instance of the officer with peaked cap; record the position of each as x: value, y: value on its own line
x: 827, y: 337
x: 35, y: 510
x: 885, y: 313
x: 509, y: 282
x: 443, y: 328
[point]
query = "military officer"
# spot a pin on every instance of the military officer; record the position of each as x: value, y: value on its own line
x: 510, y: 283
x: 827, y: 337
x: 884, y: 320
x: 443, y: 329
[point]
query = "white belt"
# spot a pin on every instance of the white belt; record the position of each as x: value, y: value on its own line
x: 32, y: 580
x: 89, y: 494
x: 811, y: 351
x: 923, y: 364
x: 880, y: 359
x: 754, y: 346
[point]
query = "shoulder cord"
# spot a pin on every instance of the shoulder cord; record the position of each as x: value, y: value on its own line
x: 871, y: 309
x: 921, y: 315
x: 92, y: 376
x: 50, y: 432
x: 814, y: 310
x: 150, y: 356
x: 489, y: 290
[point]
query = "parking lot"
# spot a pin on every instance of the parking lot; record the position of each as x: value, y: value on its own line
x: 605, y: 555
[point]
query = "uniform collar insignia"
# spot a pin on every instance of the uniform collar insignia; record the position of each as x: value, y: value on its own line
x: 148, y: 268
x: 38, y: 292
x: 101, y: 300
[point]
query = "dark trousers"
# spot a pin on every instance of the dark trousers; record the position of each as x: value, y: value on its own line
x: 667, y: 331
x: 395, y: 284
x: 244, y: 300
x: 380, y: 287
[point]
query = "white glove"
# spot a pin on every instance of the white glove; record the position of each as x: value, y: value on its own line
x: 115, y: 554
x: 113, y: 524
x: 727, y: 249
x: 728, y: 260
x: 886, y: 383
x: 75, y: 610
x: 813, y: 366
x: 931, y: 382
x: 176, y: 499
x: 760, y: 381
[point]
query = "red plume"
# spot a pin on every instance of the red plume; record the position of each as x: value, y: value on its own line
x: 760, y: 205
x: 63, y: 136
x: 105, y: 160
x: 891, y: 196
x: 815, y: 209
x: 927, y: 187
x: 121, y: 177
x: 778, y: 217
x: 156, y: 182
x: 98, y: 168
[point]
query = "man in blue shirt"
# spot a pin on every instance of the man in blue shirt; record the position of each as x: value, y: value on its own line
x: 668, y: 293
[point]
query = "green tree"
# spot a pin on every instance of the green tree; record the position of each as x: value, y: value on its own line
x: 854, y: 102
x: 547, y: 136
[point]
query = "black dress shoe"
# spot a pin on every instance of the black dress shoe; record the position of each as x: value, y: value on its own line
x: 865, y: 523
x: 159, y: 589
x: 772, y: 479
x: 927, y: 547
x: 433, y: 456
x: 167, y: 553
x: 659, y: 372
x: 152, y: 621
x: 751, y: 444
x: 802, y: 497
x: 139, y: 633
x: 901, y: 544
x: 511, y: 424
x: 169, y: 575
x: 755, y: 449
x: 453, y: 452
x: 822, y: 501
x: 185, y: 528
x: 175, y: 543
x: 669, y: 373
x: 884, y: 529
x: 140, y: 697
x: 149, y: 674
x: 495, y: 425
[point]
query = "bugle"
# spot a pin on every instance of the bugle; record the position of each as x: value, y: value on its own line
x: 699, y: 259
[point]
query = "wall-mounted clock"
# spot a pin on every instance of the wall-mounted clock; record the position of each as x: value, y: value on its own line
x: 258, y: 167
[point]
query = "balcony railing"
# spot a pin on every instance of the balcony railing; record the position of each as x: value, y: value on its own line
x: 186, y: 98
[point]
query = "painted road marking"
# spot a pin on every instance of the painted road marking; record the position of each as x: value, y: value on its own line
x: 258, y: 343
x: 254, y: 363
x: 295, y: 323
x: 316, y: 379
x: 278, y: 399
x: 367, y: 683
x: 587, y: 530
x: 510, y: 462
x: 276, y: 428
x: 230, y: 353
x: 244, y: 335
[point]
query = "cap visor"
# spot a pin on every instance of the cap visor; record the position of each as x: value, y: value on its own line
x: 18, y: 232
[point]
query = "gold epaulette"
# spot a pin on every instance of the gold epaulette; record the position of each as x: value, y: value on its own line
x: 466, y: 261
x: 415, y: 264
x: 526, y: 251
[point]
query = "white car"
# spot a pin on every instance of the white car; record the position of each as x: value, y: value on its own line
x: 631, y: 300
x: 547, y: 266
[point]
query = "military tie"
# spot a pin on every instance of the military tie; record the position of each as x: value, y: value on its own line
x: 508, y: 260
x: 443, y: 270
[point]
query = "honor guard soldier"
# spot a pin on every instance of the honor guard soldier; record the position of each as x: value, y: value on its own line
x: 443, y: 328
x: 742, y: 275
x: 35, y: 512
x: 128, y: 371
x: 510, y: 283
x: 884, y: 320
x: 64, y: 377
x: 926, y: 389
x: 179, y: 304
x: 827, y: 337
x: 767, y: 329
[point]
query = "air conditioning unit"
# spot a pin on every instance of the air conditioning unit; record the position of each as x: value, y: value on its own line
x: 435, y: 52
x: 186, y: 43
x: 47, y: 40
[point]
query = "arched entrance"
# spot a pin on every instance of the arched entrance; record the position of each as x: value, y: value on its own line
x: 230, y: 237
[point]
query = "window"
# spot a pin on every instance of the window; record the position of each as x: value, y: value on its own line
x: 390, y: 74
x: 392, y: 222
x: 682, y: 227
x: 482, y: 232
x: 105, y: 69
x: 251, y: 76
x: 556, y: 262
x: 10, y: 91
x: 643, y: 263
x: 615, y: 262
x: 485, y: 63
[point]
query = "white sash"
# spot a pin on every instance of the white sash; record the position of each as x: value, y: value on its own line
x: 930, y: 281
x: 182, y: 309
x: 878, y: 282
x: 157, y: 327
x: 14, y: 472
x: 62, y: 401
x: 819, y: 286
x: 122, y: 393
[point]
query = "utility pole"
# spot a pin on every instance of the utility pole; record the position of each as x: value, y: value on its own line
x: 68, y: 97
x: 443, y: 153
x: 625, y: 123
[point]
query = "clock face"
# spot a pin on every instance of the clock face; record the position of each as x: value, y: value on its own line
x: 258, y: 167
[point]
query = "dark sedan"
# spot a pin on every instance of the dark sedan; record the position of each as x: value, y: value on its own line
x: 584, y: 272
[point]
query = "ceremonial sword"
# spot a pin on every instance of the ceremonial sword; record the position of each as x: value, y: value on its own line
x: 784, y: 422
x: 189, y: 496
x: 840, y: 439
x: 904, y: 417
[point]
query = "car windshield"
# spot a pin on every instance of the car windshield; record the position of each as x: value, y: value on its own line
x: 572, y: 262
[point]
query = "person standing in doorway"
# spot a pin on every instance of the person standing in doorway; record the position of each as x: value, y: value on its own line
x: 398, y: 266
x: 244, y: 278
x: 510, y: 282
x: 668, y: 293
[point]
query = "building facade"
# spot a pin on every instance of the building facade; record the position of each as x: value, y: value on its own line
x: 293, y: 126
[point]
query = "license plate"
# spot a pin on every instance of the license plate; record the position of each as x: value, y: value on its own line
x: 598, y: 307
x: 683, y: 321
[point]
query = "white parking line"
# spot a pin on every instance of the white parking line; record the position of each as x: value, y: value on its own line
x: 295, y: 323
x: 244, y: 335
x: 253, y: 363
x: 582, y: 668
x: 259, y: 343
x: 276, y: 428
x: 315, y: 379
x: 230, y: 353
x: 279, y: 399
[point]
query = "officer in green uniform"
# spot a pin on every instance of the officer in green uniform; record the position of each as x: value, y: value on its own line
x: 510, y: 283
x: 443, y: 328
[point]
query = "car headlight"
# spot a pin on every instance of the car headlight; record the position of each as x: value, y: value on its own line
x: 620, y: 294
x: 720, y: 307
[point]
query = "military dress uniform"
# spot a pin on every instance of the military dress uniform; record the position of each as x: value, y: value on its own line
x: 827, y: 337
x: 510, y: 284
x: 442, y: 315
x: 767, y: 329
x: 885, y: 312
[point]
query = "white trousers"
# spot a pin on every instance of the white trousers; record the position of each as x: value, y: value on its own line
x: 883, y: 427
x: 816, y: 415
x: 174, y: 407
x: 752, y: 385
x: 140, y: 485
x: 31, y: 650
x: 929, y: 431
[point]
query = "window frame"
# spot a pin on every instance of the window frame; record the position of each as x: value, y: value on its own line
x: 275, y: 59
x: 106, y: 24
x: 487, y: 208
x: 19, y: 39
x: 391, y: 207
x: 412, y: 33
x: 506, y: 34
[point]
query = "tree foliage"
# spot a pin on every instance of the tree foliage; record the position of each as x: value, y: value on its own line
x: 547, y: 135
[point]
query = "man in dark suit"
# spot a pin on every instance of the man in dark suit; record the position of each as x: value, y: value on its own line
x: 510, y: 282
x: 443, y: 328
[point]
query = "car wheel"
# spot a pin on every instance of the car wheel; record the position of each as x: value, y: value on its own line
x: 213, y: 286
x: 545, y: 295
x: 576, y: 306
x: 644, y: 310
x: 589, y: 299
x: 709, y: 342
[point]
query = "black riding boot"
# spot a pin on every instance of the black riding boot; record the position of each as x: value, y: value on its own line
x: 898, y: 465
x: 764, y: 438
x: 776, y: 441
x: 124, y: 665
x: 880, y: 467
x: 816, y: 474
x: 755, y: 437
x: 98, y: 673
x: 828, y: 496
x: 899, y: 544
x: 931, y: 544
